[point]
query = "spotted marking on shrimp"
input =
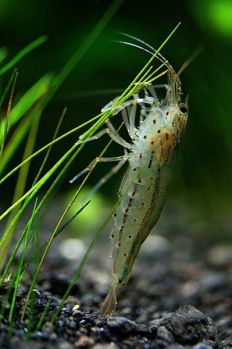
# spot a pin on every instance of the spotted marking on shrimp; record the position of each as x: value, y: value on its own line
x: 150, y: 162
x: 151, y: 154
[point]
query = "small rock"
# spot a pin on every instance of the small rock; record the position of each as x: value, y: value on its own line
x: 121, y: 325
x: 48, y: 327
x: 42, y: 336
x: 155, y: 245
x: 202, y: 346
x: 220, y: 255
x: 211, y: 281
x: 84, y: 342
x: 225, y: 322
x: 227, y: 343
x: 70, y: 323
x: 147, y: 346
x: 110, y: 345
x: 65, y: 345
x: 143, y: 330
x: 72, y: 249
x: 75, y: 309
x: 190, y: 326
x: 164, y: 337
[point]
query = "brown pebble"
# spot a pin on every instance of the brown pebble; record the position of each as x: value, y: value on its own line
x: 84, y: 342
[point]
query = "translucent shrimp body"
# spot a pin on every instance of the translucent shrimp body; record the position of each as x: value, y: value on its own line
x: 144, y: 187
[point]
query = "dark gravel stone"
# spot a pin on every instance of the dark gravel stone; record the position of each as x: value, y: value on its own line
x: 212, y: 281
x: 202, y: 346
x: 164, y: 337
x: 227, y: 343
x: 190, y: 326
x: 144, y: 330
x: 71, y: 323
x: 121, y: 326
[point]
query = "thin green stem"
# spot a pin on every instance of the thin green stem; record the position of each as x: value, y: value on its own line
x: 56, y: 229
x: 20, y: 266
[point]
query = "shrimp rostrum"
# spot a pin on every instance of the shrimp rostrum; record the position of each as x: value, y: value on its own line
x: 150, y: 154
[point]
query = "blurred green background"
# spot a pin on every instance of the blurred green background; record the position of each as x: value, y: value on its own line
x: 202, y: 174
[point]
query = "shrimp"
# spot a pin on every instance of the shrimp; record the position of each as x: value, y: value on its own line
x: 151, y: 155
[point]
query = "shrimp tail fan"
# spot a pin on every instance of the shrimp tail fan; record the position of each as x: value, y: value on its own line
x: 110, y: 302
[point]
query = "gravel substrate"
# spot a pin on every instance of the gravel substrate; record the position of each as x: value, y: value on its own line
x: 180, y: 296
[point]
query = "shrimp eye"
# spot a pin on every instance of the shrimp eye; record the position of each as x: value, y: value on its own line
x: 183, y: 108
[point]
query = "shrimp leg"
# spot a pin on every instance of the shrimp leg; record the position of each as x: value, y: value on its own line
x: 113, y: 134
x: 95, y: 161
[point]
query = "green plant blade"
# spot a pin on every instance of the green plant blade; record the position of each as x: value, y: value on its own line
x: 33, y: 95
x: 25, y: 51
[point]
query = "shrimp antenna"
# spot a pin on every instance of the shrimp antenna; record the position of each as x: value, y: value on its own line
x: 140, y: 47
x: 191, y: 58
x: 159, y: 57
x: 142, y: 42
x: 138, y: 40
x: 151, y: 50
x: 165, y: 62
